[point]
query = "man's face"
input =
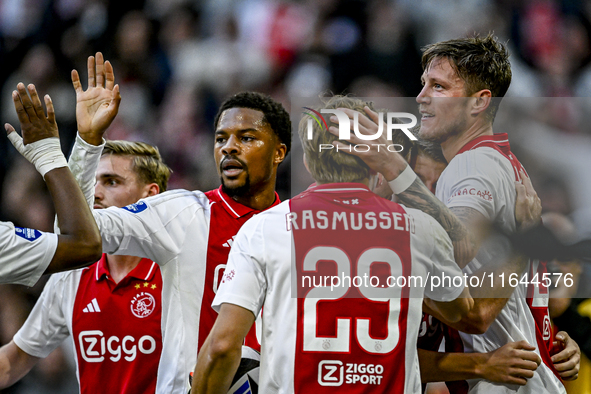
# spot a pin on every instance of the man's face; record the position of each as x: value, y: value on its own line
x: 443, y: 113
x: 116, y: 183
x: 245, y: 151
x: 428, y: 170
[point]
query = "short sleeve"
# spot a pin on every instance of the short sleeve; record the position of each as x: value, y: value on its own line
x: 25, y: 254
x: 46, y: 327
x: 471, y: 180
x: 244, y: 282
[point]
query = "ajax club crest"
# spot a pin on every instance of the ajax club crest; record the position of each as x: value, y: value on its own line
x: 143, y: 304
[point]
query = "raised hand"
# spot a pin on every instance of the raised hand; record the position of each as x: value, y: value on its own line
x: 97, y: 106
x: 35, y: 125
x: 39, y: 143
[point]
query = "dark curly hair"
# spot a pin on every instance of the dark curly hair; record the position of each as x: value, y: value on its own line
x: 273, y: 113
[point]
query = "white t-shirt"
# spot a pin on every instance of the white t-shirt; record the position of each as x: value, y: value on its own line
x: 482, y: 176
x: 25, y: 254
x: 373, y: 349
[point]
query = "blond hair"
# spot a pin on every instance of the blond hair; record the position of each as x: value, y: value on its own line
x: 146, y: 161
x: 328, y: 165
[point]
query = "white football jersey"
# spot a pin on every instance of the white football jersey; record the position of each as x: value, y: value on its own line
x: 482, y: 176
x: 374, y: 348
x: 188, y: 234
x: 25, y: 254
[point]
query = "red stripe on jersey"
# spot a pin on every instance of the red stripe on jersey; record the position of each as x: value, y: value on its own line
x: 537, y: 295
x: 353, y: 340
x: 227, y: 216
x: 117, y: 329
x: 500, y: 143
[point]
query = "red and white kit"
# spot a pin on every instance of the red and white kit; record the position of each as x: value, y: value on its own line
x: 482, y: 176
x: 24, y: 254
x: 353, y: 340
x: 189, y: 235
x: 115, y: 327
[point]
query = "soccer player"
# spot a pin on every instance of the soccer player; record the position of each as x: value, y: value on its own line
x: 26, y: 254
x: 85, y: 303
x: 188, y: 234
x: 361, y: 339
x: 464, y: 80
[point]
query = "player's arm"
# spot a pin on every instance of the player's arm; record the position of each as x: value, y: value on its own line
x: 79, y: 244
x: 452, y: 311
x: 220, y: 355
x: 512, y: 363
x: 409, y: 189
x: 14, y: 364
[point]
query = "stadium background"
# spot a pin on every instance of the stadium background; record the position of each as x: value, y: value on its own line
x: 176, y: 60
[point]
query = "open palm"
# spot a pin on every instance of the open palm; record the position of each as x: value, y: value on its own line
x: 97, y: 106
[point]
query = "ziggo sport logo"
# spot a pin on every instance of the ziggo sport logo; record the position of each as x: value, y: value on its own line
x: 345, y: 129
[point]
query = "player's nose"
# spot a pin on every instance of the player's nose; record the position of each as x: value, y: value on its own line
x: 422, y: 97
x: 231, y: 147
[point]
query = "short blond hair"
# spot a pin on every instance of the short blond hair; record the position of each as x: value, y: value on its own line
x: 146, y: 161
x: 328, y: 165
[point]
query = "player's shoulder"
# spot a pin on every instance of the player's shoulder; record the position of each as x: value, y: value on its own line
x: 59, y: 281
x: 423, y: 222
x: 268, y: 220
x: 178, y: 198
x: 484, y: 160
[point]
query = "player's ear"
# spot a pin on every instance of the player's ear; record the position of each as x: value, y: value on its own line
x: 151, y: 189
x: 280, y: 153
x: 481, y: 101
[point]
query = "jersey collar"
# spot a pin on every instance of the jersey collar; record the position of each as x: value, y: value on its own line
x: 145, y: 270
x: 495, y: 141
x: 338, y: 187
x: 235, y: 208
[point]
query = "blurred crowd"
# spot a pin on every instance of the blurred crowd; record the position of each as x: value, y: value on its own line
x: 177, y: 60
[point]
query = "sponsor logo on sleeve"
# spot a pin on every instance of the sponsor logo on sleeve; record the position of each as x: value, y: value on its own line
x: 27, y: 233
x: 228, y: 276
x: 470, y: 191
x: 137, y: 207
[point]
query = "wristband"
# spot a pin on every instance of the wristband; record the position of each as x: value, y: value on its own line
x: 45, y: 154
x: 403, y: 181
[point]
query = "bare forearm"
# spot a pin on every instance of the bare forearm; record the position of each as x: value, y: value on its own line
x: 448, y: 367
x: 14, y: 364
x: 214, y: 370
x: 419, y: 197
x: 79, y: 233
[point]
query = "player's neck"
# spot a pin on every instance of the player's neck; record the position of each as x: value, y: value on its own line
x: 258, y: 199
x: 452, y: 145
x: 120, y: 266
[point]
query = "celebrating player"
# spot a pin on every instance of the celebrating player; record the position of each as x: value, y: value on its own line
x: 362, y: 339
x: 188, y: 234
x: 26, y: 254
x: 85, y: 303
x: 464, y: 80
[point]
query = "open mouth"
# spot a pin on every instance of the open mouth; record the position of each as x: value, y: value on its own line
x: 231, y: 167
